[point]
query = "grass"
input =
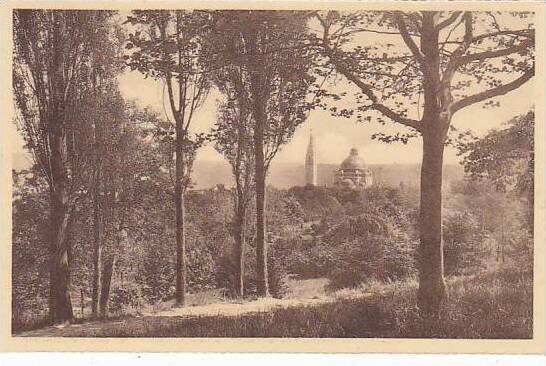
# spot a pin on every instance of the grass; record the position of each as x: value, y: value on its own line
x: 192, y: 299
x: 489, y: 305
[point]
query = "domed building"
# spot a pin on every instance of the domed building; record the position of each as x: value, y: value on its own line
x: 353, y: 172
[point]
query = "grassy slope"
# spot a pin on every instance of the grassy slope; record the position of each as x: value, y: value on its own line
x: 489, y: 305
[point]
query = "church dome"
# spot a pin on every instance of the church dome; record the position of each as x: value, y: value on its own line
x: 353, y: 161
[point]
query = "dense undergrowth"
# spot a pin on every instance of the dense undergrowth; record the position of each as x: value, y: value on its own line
x: 488, y: 305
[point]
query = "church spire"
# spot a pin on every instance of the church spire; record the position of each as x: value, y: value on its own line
x: 310, y: 163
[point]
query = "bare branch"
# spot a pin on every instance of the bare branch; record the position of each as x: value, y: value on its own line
x: 494, y: 92
x: 450, y: 20
x: 530, y: 33
x: 367, y: 30
x: 367, y: 90
x: 492, y: 54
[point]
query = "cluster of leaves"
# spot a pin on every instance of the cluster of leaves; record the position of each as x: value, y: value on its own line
x: 504, y: 157
x: 360, y: 235
x: 284, y: 217
x: 29, y: 264
x: 464, y: 249
x: 484, y: 227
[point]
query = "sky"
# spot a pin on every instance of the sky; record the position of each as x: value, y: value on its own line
x: 334, y: 136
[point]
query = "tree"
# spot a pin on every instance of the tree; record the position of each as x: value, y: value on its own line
x: 29, y: 266
x: 168, y: 46
x: 233, y: 138
x: 104, y: 110
x: 446, y: 58
x: 269, y: 48
x: 505, y: 158
x: 110, y: 154
x: 53, y: 50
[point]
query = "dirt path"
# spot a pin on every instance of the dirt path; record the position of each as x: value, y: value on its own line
x: 223, y: 309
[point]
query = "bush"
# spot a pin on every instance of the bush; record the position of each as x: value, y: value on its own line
x: 368, y: 235
x: 226, y: 270
x: 463, y: 245
x: 366, y: 247
x: 126, y: 299
x: 278, y: 287
x: 378, y: 259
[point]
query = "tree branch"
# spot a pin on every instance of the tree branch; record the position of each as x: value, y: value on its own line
x: 407, y: 38
x: 365, y: 88
x: 530, y: 33
x: 452, y: 65
x: 450, y: 20
x: 492, y: 54
x: 494, y: 92
x: 368, y: 91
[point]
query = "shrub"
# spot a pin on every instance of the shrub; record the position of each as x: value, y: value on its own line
x: 126, y: 299
x: 226, y: 270
x: 463, y: 249
x: 370, y: 237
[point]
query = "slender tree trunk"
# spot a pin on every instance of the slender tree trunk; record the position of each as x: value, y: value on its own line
x: 240, y: 243
x: 431, y: 260
x: 97, y: 236
x: 261, y: 244
x: 82, y: 306
x: 59, y: 282
x: 180, y: 295
x: 106, y: 278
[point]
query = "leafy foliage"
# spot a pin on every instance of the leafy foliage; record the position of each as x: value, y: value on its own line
x: 504, y: 157
x: 370, y: 236
x: 463, y: 247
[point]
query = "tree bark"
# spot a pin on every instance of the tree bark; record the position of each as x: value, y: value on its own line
x: 435, y: 122
x: 60, y: 311
x: 97, y: 236
x: 262, y: 285
x: 180, y: 294
x: 240, y: 243
x: 431, y: 291
x: 106, y: 278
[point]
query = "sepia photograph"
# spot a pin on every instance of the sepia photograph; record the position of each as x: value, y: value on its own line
x: 267, y: 172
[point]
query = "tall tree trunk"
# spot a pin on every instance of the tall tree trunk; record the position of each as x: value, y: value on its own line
x: 260, y: 117
x: 97, y: 237
x: 435, y: 122
x: 106, y: 278
x: 431, y: 261
x: 261, y: 244
x: 240, y: 243
x: 180, y: 295
x: 59, y: 282
x: 258, y: 106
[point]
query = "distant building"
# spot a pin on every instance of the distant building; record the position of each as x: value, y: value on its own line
x: 353, y: 172
x: 310, y: 164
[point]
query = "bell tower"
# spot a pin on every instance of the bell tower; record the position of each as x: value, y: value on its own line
x: 310, y: 163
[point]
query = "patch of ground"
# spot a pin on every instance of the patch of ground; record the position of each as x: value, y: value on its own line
x: 304, y: 293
